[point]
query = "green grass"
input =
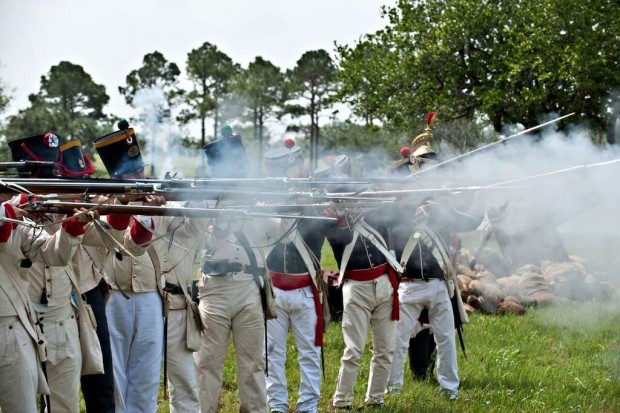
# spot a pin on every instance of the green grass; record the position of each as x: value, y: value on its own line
x: 561, y: 359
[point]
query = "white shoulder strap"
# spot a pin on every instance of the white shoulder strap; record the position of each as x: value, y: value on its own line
x: 302, y: 248
x: 412, y: 242
x: 28, y: 322
x: 377, y: 240
x: 365, y: 230
x: 347, y: 254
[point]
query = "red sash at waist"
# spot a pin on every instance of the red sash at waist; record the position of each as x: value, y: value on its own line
x: 366, y: 274
x: 290, y: 282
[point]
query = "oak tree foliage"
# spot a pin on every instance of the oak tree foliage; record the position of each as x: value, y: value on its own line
x: 502, y: 62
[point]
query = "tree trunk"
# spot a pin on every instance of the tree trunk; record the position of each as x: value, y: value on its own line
x: 261, y: 125
x: 215, y: 118
x: 611, y: 129
x: 496, y: 120
x: 202, y: 132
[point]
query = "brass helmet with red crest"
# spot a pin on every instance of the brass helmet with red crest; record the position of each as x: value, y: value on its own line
x: 417, y: 155
x: 420, y: 145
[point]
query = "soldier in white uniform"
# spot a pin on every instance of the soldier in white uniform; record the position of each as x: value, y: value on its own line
x: 97, y: 389
x: 231, y: 302
x: 422, y: 242
x: 231, y: 292
x: 134, y: 309
x: 368, y: 276
x: 294, y: 267
x: 20, y: 369
x: 176, y: 252
x: 51, y: 288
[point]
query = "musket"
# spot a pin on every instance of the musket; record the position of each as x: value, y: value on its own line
x: 52, y: 207
x: 25, y: 164
x: 81, y: 188
x: 486, y: 147
x: 171, y: 191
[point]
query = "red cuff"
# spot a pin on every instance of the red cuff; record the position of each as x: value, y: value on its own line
x: 119, y: 222
x: 74, y: 227
x: 139, y: 234
x: 5, y: 227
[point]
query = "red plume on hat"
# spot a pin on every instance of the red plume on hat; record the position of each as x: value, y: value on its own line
x: 289, y: 143
x: 429, y: 118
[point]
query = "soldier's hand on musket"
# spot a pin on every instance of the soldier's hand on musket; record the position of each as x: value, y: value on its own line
x: 99, y: 199
x: 154, y: 200
x: 127, y: 198
x: 341, y: 215
x: 85, y: 216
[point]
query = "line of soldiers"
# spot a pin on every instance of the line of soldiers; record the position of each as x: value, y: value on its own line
x: 259, y: 279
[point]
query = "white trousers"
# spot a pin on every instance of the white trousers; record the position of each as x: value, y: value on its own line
x: 414, y: 297
x: 232, y: 306
x: 366, y: 303
x: 64, y: 358
x: 18, y: 368
x: 136, y: 337
x: 181, y: 366
x: 296, y: 311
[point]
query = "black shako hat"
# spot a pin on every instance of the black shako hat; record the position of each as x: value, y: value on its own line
x: 73, y: 163
x: 227, y: 158
x: 36, y: 148
x: 119, y: 151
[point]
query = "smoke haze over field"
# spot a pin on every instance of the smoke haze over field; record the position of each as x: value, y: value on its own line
x: 561, y: 180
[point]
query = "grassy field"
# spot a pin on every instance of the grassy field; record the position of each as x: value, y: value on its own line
x: 561, y: 359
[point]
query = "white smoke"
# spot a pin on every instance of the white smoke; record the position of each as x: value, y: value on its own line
x: 158, y: 133
x: 556, y: 179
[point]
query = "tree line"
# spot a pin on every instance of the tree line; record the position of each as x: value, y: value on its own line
x: 478, y: 64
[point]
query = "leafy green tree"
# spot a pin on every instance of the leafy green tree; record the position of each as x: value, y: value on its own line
x: 156, y: 71
x: 211, y: 72
x: 311, y: 87
x: 507, y: 62
x: 69, y: 102
x: 260, y: 86
x: 5, y: 97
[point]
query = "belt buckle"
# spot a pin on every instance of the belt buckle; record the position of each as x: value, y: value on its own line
x: 215, y: 268
x: 239, y: 267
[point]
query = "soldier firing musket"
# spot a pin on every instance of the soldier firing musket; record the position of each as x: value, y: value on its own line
x: 422, y: 245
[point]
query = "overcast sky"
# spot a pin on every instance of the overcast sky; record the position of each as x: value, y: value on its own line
x: 109, y: 38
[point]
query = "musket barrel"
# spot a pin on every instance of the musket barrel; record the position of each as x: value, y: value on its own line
x: 106, y: 209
